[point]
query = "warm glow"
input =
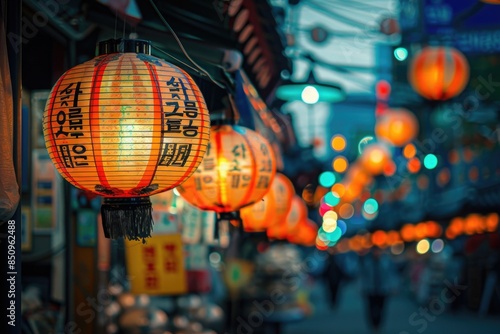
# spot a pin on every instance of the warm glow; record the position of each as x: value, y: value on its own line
x: 408, y: 232
x: 492, y: 222
x: 443, y: 177
x: 379, y: 238
x: 273, y: 207
x: 330, y: 215
x: 409, y: 151
x: 245, y: 174
x: 329, y: 225
x: 338, y: 143
x: 340, y: 164
x: 438, y: 73
x: 413, y: 165
x: 390, y: 168
x: 423, y: 246
x: 397, y: 126
x: 346, y: 211
x: 338, y: 189
x: 374, y: 158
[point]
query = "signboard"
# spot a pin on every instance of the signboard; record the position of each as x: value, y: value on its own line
x: 157, y: 266
x: 445, y: 16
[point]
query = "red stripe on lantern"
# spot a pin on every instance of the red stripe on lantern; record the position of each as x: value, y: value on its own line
x: 95, y: 128
x: 251, y: 188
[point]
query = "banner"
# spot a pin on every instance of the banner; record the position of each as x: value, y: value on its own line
x: 157, y: 266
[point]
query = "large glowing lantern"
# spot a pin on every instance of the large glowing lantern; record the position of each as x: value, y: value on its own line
x: 237, y: 171
x: 438, y: 73
x: 126, y: 125
x: 273, y: 207
x: 374, y: 158
x: 397, y: 126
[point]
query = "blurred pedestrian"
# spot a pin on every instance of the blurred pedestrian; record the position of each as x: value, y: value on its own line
x: 379, y: 280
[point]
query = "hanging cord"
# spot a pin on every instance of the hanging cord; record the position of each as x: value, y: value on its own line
x: 178, y: 60
x: 182, y: 46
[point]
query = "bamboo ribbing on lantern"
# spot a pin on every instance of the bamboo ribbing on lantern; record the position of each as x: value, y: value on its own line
x: 126, y: 125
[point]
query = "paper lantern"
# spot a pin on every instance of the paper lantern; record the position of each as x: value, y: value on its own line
x: 438, y: 73
x: 273, y: 207
x: 126, y: 125
x: 237, y: 171
x: 306, y: 233
x: 374, y: 158
x: 296, y: 214
x: 397, y: 126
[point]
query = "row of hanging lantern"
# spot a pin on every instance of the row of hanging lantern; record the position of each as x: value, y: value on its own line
x: 435, y: 73
x: 470, y: 225
x: 127, y: 125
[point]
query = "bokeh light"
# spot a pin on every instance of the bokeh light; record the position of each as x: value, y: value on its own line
x: 398, y: 248
x: 437, y: 246
x: 423, y: 246
x: 331, y: 199
x: 400, y: 53
x: 340, y: 164
x: 370, y: 206
x: 341, y: 225
x: 346, y: 210
x: 413, y: 165
x: 310, y: 95
x: 338, y: 143
x: 327, y: 179
x: 339, y: 189
x: 430, y: 161
x: 409, y: 151
x: 329, y: 225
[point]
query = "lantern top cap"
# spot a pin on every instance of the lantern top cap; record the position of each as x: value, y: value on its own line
x: 124, y: 46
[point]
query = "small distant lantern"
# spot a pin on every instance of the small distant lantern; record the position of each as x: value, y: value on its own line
x: 306, y: 233
x: 237, y: 171
x: 374, y: 158
x: 397, y: 126
x: 273, y: 207
x: 389, y: 26
x: 126, y: 125
x: 296, y: 213
x: 439, y: 73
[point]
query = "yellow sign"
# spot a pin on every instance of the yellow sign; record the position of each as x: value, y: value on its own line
x: 156, y: 267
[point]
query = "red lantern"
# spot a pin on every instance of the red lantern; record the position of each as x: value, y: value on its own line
x: 397, y: 126
x: 272, y: 209
x: 237, y: 171
x: 439, y: 73
x: 126, y: 125
x: 389, y: 26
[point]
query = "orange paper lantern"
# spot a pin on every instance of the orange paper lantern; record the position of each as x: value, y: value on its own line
x: 126, y: 125
x: 438, y: 73
x: 272, y: 209
x: 374, y: 158
x: 306, y: 233
x: 397, y: 126
x: 296, y: 214
x: 237, y: 171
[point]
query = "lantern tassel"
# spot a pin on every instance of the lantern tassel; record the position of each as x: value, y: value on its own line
x: 130, y: 218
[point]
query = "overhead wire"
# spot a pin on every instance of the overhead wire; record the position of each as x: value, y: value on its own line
x: 181, y: 46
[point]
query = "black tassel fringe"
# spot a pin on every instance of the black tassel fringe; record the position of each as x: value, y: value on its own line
x: 129, y: 218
